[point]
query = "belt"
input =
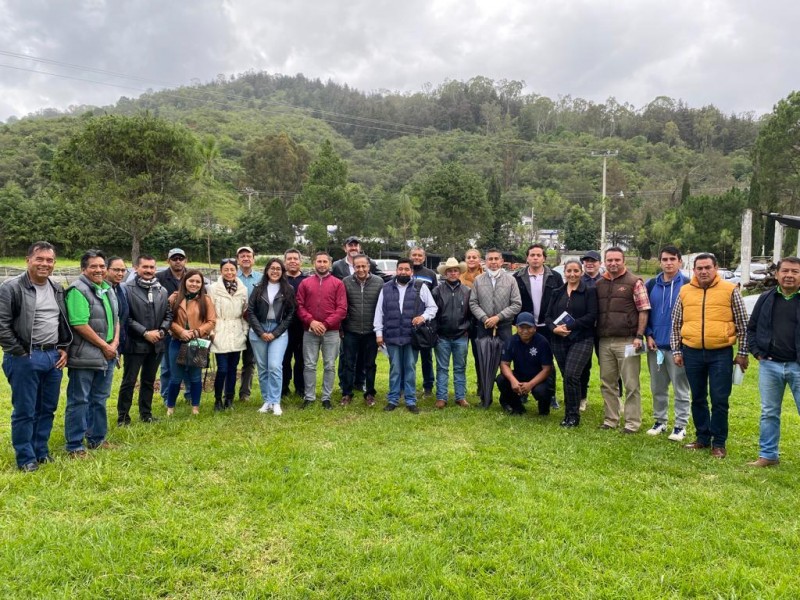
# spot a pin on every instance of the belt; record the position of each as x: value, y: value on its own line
x: 44, y: 347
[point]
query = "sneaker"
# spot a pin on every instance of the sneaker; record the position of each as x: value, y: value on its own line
x: 554, y: 405
x: 265, y: 408
x: 677, y: 434
x: 276, y: 410
x: 326, y: 404
x: 29, y: 467
x: 657, y: 428
x: 584, y: 404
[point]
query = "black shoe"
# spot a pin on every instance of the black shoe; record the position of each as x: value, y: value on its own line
x: 150, y: 419
x: 29, y: 467
x: 413, y: 408
x: 389, y: 407
x: 126, y: 423
x: 569, y: 422
x: 228, y: 403
x: 326, y: 404
x: 45, y: 459
x: 306, y: 404
x: 217, y: 405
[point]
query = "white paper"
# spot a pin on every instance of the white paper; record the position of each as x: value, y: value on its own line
x: 738, y: 375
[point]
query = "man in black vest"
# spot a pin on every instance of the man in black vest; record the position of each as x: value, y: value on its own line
x: 359, y: 347
x: 94, y: 318
x: 149, y: 321
x: 623, y: 310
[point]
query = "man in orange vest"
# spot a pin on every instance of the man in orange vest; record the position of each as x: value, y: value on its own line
x: 708, y: 319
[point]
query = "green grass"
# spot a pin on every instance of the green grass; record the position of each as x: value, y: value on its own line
x: 358, y: 503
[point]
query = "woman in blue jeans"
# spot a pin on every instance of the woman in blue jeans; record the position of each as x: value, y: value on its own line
x: 194, y: 318
x: 270, y: 311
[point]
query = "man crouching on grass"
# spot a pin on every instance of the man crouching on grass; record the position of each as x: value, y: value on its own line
x: 533, y: 361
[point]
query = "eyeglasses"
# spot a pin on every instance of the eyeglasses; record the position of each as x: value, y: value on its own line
x: 177, y: 258
x: 278, y: 269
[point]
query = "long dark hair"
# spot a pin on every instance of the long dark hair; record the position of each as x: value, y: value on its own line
x: 201, y: 295
x: 285, y: 287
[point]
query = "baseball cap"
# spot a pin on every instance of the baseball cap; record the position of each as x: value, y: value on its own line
x: 352, y: 240
x: 525, y: 318
x: 176, y: 251
x: 591, y: 255
x: 246, y: 249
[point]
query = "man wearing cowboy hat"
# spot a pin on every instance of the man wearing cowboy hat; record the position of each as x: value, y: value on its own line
x: 453, y: 320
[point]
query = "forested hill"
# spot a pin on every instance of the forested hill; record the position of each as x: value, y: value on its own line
x: 530, y: 153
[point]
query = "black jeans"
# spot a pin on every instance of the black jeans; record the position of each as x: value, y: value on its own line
x: 509, y: 398
x: 248, y: 367
x: 358, y: 349
x: 294, y: 350
x: 132, y: 364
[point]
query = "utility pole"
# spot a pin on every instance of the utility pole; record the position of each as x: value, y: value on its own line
x: 604, y: 200
x: 249, y: 191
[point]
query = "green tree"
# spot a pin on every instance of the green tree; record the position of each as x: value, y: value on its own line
x: 776, y: 159
x: 454, y: 208
x: 329, y: 199
x: 129, y: 172
x: 581, y: 231
x: 505, y: 216
x: 276, y: 163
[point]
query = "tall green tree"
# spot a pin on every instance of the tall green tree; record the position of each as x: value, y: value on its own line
x: 505, y: 216
x: 329, y: 199
x: 276, y: 163
x: 777, y: 160
x: 454, y: 209
x: 581, y: 231
x: 129, y: 172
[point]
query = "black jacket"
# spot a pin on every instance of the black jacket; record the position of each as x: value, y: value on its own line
x: 144, y: 315
x: 552, y: 281
x: 258, y: 309
x: 581, y: 305
x: 361, y: 303
x: 759, y: 327
x: 17, y: 308
x: 453, y: 317
x: 341, y: 269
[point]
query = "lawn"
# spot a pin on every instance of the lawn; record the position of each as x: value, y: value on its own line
x: 359, y: 503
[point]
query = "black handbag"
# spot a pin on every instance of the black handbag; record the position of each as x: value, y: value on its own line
x: 193, y: 354
x: 423, y: 335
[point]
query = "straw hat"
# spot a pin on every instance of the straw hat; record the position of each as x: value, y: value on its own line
x: 452, y: 263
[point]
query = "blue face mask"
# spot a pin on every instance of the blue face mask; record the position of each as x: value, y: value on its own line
x: 659, y: 358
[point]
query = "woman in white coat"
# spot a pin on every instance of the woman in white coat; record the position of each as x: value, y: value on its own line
x: 230, y: 335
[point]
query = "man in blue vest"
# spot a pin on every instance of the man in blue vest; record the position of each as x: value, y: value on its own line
x: 94, y: 318
x: 401, y: 307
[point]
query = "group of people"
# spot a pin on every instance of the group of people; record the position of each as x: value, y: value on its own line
x: 279, y: 322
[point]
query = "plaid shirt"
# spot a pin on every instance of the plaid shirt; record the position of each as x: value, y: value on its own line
x: 739, y: 318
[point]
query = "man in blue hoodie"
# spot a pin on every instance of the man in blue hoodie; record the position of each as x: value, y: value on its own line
x: 663, y: 291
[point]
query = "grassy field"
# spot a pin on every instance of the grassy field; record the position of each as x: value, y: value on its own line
x: 359, y: 503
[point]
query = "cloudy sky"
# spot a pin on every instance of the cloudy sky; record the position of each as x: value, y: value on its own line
x: 739, y: 55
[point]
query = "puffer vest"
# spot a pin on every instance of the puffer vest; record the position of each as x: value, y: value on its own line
x: 82, y: 353
x: 396, y: 325
x: 708, y: 322
x: 617, y: 315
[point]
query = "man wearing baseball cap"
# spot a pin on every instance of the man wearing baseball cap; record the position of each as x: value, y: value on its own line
x: 532, y: 361
x: 591, y: 273
x: 344, y: 266
x: 245, y: 257
x: 170, y: 280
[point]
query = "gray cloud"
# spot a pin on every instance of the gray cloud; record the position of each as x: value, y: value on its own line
x: 732, y: 53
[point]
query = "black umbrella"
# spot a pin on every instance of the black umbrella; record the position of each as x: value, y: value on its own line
x: 490, y: 349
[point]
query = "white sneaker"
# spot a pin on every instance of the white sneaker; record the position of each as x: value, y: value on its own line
x: 677, y: 434
x: 265, y: 408
x: 276, y: 410
x: 584, y: 403
x: 657, y: 428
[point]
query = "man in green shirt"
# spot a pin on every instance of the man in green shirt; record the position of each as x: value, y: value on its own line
x: 92, y: 314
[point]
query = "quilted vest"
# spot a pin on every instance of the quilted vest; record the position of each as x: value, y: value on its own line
x: 708, y: 322
x: 617, y: 315
x: 82, y: 354
x: 396, y: 325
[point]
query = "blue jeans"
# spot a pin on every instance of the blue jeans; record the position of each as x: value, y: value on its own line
x: 35, y: 386
x: 165, y: 371
x: 402, y: 374
x: 269, y: 360
x: 709, y: 370
x: 457, y: 348
x: 85, y: 417
x: 773, y: 377
x: 178, y: 373
x: 225, y: 379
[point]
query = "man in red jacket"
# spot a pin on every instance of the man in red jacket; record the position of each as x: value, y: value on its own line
x: 321, y: 306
